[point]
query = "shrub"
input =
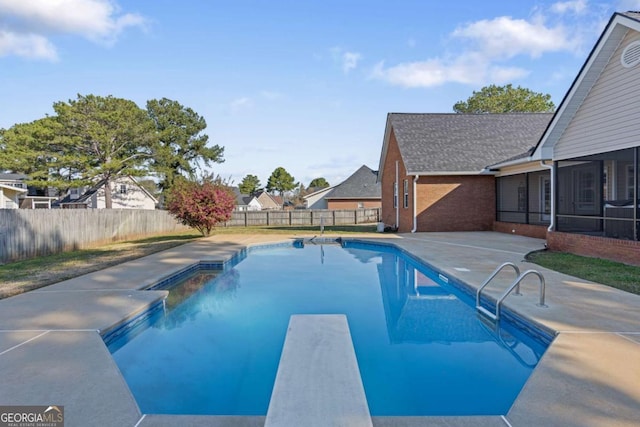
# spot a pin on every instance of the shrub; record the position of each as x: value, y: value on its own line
x: 201, y: 205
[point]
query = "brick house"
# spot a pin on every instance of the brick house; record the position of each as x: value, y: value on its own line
x: 572, y: 177
x: 432, y: 167
x: 360, y: 190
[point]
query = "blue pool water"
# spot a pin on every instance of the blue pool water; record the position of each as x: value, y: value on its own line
x: 420, y: 346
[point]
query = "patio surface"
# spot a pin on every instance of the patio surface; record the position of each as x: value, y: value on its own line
x: 51, y: 352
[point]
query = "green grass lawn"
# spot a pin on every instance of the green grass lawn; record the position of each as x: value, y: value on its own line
x: 21, y: 276
x: 315, y: 229
x: 614, y: 274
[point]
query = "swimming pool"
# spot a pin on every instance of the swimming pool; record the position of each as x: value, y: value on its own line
x: 420, y: 346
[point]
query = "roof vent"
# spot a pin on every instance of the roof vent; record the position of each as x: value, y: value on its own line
x: 631, y: 54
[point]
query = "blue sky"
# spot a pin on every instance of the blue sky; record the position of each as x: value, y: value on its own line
x: 305, y: 85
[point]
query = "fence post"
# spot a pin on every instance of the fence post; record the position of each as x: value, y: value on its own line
x: 267, y: 218
x: 333, y: 215
x: 246, y: 220
x: 290, y: 218
x: 311, y: 219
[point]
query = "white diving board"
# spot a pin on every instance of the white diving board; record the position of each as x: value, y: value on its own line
x: 318, y: 381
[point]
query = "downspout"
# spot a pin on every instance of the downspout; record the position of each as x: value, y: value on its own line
x: 552, y: 184
x: 415, y: 203
x: 396, y: 190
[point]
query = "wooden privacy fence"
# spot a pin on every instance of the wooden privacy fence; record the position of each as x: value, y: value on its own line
x: 26, y: 233
x: 304, y: 217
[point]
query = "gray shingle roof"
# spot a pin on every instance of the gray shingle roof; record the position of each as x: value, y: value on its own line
x: 633, y: 14
x: 362, y: 184
x: 464, y: 142
x: 241, y: 198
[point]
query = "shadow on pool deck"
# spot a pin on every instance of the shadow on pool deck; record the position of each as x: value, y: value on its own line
x: 50, y: 353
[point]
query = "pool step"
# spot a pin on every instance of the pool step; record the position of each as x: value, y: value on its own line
x: 318, y: 381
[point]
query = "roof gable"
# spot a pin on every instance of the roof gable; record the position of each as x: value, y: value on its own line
x: 462, y: 143
x: 599, y: 57
x: 362, y: 184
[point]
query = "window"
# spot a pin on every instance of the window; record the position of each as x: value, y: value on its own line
x: 522, y: 197
x: 406, y: 193
x: 360, y: 205
x: 395, y: 194
x: 631, y: 182
x: 585, y: 197
x: 123, y: 188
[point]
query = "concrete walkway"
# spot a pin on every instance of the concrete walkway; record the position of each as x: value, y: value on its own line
x: 51, y: 352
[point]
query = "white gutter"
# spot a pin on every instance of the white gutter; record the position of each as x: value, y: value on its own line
x: 396, y: 190
x: 552, y: 195
x: 415, y: 203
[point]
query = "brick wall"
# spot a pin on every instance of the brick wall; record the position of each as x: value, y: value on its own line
x: 388, y: 178
x: 626, y: 251
x: 456, y: 203
x: 536, y: 231
x: 337, y: 204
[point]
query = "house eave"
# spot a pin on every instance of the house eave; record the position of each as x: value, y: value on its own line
x: 355, y: 198
x: 12, y: 188
x: 446, y: 173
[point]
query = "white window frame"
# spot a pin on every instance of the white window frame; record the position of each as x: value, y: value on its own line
x: 405, y: 188
x: 395, y: 195
x: 630, y: 183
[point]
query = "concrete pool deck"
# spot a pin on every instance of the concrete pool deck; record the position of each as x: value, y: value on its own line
x: 51, y: 352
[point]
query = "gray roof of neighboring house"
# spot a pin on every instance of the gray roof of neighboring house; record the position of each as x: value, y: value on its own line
x: 362, y: 184
x: 241, y: 198
x: 432, y: 143
x: 14, y: 176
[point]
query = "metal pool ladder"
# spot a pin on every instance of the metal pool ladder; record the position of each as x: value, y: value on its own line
x: 515, y: 285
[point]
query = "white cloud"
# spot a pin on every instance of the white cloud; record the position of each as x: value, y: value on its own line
x: 239, y: 104
x: 350, y: 61
x: 26, y: 45
x: 505, y: 37
x: 576, y: 6
x: 347, y: 60
x: 471, y: 70
x: 31, y: 22
x: 271, y: 95
x: 483, y: 55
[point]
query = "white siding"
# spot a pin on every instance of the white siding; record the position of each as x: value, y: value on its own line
x: 607, y: 120
x: 317, y: 200
x: 134, y: 198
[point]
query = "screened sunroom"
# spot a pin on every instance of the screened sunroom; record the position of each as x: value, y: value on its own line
x: 598, y: 195
x: 524, y: 198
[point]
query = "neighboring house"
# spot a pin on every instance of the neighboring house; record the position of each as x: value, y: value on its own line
x: 432, y: 167
x: 14, y: 193
x: 586, y: 163
x: 243, y: 201
x: 11, y: 188
x: 126, y: 193
x: 316, y: 199
x: 360, y: 190
x: 267, y: 201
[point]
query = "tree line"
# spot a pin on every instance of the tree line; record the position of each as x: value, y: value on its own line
x: 94, y: 138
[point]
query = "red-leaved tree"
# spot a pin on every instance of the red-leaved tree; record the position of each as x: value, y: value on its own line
x: 201, y: 205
